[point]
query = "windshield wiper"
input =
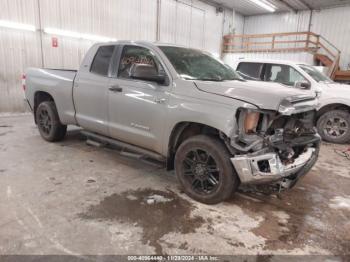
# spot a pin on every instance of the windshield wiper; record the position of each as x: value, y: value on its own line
x: 210, y: 79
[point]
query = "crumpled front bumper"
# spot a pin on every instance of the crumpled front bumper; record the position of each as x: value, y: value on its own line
x: 247, y: 167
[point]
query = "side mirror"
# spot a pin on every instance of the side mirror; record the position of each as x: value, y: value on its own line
x: 302, y: 85
x: 147, y: 73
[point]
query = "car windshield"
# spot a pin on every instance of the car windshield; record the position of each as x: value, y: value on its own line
x: 315, y: 74
x: 193, y: 64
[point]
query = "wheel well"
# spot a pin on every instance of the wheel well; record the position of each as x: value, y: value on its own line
x: 183, y: 131
x: 40, y: 97
x: 331, y: 107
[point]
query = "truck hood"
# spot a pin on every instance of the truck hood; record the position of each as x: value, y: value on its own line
x: 265, y: 95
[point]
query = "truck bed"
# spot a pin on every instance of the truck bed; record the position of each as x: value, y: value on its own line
x: 58, y: 83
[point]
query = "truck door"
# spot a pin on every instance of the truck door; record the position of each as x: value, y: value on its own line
x: 90, y: 92
x: 137, y: 108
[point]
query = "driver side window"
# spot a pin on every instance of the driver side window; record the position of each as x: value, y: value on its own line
x: 283, y: 74
x: 137, y: 55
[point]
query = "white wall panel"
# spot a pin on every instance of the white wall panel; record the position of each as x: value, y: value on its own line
x: 228, y: 24
x: 334, y: 25
x: 197, y: 28
x: 189, y: 22
x: 213, y: 29
x: 122, y: 19
x: 18, y: 50
x: 167, y: 21
x: 238, y: 23
x: 183, y: 24
x: 277, y: 23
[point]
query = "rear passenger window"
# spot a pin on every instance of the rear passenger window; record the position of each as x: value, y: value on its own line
x: 250, y: 71
x: 102, y: 59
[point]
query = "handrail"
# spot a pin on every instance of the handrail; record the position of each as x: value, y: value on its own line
x: 329, y: 43
x: 334, y: 67
x: 270, y: 35
x: 236, y: 43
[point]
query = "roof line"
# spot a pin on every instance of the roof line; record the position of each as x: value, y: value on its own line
x: 306, y: 4
x: 288, y: 5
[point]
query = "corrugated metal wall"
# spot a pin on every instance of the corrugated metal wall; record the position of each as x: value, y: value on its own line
x: 277, y: 23
x: 191, y: 23
x: 188, y: 22
x: 121, y: 19
x: 18, y: 50
x: 334, y: 25
x: 239, y: 23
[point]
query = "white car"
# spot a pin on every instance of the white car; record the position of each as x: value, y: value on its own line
x: 333, y: 117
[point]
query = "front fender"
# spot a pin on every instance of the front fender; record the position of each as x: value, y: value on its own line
x: 194, y: 110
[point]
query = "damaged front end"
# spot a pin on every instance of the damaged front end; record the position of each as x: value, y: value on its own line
x: 275, y: 147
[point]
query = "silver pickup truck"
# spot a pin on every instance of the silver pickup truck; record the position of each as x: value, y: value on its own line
x: 183, y: 107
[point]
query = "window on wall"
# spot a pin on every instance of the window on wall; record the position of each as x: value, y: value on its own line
x: 283, y: 74
x: 137, y: 55
x: 102, y: 59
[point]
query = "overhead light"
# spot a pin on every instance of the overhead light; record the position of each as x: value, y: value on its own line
x: 55, y: 31
x: 267, y: 6
x: 19, y: 26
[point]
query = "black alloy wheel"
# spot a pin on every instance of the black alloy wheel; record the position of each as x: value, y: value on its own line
x: 204, y: 169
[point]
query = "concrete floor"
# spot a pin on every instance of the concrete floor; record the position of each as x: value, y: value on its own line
x: 71, y: 198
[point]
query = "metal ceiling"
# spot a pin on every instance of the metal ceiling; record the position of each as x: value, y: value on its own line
x: 247, y: 8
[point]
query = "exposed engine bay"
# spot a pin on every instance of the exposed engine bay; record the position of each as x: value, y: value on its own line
x: 269, y: 146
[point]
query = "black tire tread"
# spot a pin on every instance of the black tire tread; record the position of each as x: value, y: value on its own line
x: 59, y: 131
x: 231, y: 183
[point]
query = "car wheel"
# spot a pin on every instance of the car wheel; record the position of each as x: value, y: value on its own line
x: 204, y: 169
x: 48, y: 122
x: 334, y: 126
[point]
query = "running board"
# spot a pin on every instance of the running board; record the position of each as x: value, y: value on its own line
x: 114, y: 142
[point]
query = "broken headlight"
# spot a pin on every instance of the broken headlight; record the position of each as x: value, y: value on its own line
x: 298, y: 104
x: 286, y: 107
x: 251, y: 121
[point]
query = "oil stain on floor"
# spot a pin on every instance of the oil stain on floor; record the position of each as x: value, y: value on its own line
x: 148, y: 208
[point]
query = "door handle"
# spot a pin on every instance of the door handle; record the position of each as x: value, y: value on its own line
x: 116, y: 88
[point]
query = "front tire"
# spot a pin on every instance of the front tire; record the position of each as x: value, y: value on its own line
x: 204, y: 169
x: 48, y: 122
x: 334, y: 126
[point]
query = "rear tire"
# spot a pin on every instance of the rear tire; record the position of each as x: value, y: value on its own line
x: 334, y: 126
x: 48, y: 122
x: 204, y: 169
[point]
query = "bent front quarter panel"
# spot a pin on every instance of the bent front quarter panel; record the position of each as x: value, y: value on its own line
x: 189, y: 104
x: 57, y: 83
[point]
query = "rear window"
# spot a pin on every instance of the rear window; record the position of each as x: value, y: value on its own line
x: 102, y: 59
x: 250, y: 71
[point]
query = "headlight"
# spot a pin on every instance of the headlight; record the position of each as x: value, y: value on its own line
x: 251, y: 121
x: 286, y: 107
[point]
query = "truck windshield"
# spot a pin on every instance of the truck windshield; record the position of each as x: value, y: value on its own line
x: 193, y: 64
x: 315, y: 74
